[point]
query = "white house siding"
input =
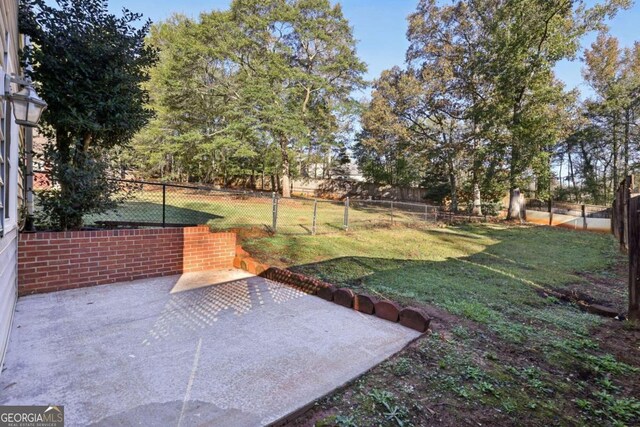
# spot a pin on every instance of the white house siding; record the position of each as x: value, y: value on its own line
x: 8, y: 288
x: 9, y: 62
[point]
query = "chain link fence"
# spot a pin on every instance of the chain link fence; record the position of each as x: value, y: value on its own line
x: 573, y: 209
x: 164, y: 205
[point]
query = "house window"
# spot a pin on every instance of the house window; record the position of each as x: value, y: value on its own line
x: 7, y: 165
x: 7, y: 160
x: 7, y: 136
x: 3, y: 156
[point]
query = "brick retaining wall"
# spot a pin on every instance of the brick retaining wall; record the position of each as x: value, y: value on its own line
x: 53, y: 261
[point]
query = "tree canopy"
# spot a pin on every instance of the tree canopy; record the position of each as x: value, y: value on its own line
x: 89, y: 66
x: 268, y: 88
x: 478, y: 108
x: 259, y: 87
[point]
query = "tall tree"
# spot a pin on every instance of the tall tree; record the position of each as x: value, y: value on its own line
x: 602, y: 73
x: 194, y: 87
x: 411, y: 118
x: 524, y: 41
x: 479, y: 96
x: 443, y: 52
x: 275, y: 75
x: 306, y: 65
x: 386, y: 147
x: 89, y: 65
x: 603, y: 143
x: 614, y: 75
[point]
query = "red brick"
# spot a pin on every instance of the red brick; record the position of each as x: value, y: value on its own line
x: 86, y: 258
x: 241, y: 252
x: 260, y: 268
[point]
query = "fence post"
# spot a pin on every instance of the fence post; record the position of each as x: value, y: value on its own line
x: 346, y: 214
x: 435, y: 218
x: 584, y: 217
x: 426, y: 211
x: 633, y: 244
x: 614, y: 218
x: 164, y: 204
x: 550, y: 211
x: 274, y: 222
x: 315, y: 216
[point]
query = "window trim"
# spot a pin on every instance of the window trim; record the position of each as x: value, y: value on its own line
x: 4, y: 190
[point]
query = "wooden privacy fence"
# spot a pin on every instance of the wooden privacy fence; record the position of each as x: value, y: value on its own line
x: 625, y: 225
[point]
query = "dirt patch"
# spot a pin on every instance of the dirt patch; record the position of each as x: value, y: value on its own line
x: 607, y: 288
x: 435, y: 403
x: 622, y: 339
x: 459, y: 356
x: 441, y: 409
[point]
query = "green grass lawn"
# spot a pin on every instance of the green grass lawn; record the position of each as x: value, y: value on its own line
x: 503, y: 351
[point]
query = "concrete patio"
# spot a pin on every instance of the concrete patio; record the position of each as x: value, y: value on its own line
x: 174, y: 351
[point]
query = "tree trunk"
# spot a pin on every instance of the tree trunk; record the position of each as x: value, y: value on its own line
x: 516, y: 205
x: 572, y: 176
x: 626, y: 142
x: 69, y: 219
x: 605, y: 186
x: 286, y: 169
x: 307, y: 166
x: 477, y: 201
x: 286, y: 184
x: 454, y: 192
x: 614, y: 156
x: 514, y: 211
x: 560, y: 171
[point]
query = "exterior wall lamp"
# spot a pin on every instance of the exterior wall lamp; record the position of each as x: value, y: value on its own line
x: 27, y: 108
x: 27, y: 105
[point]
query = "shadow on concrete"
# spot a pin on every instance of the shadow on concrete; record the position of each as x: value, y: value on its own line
x: 195, y: 309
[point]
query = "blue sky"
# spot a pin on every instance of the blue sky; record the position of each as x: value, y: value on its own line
x: 380, y: 27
